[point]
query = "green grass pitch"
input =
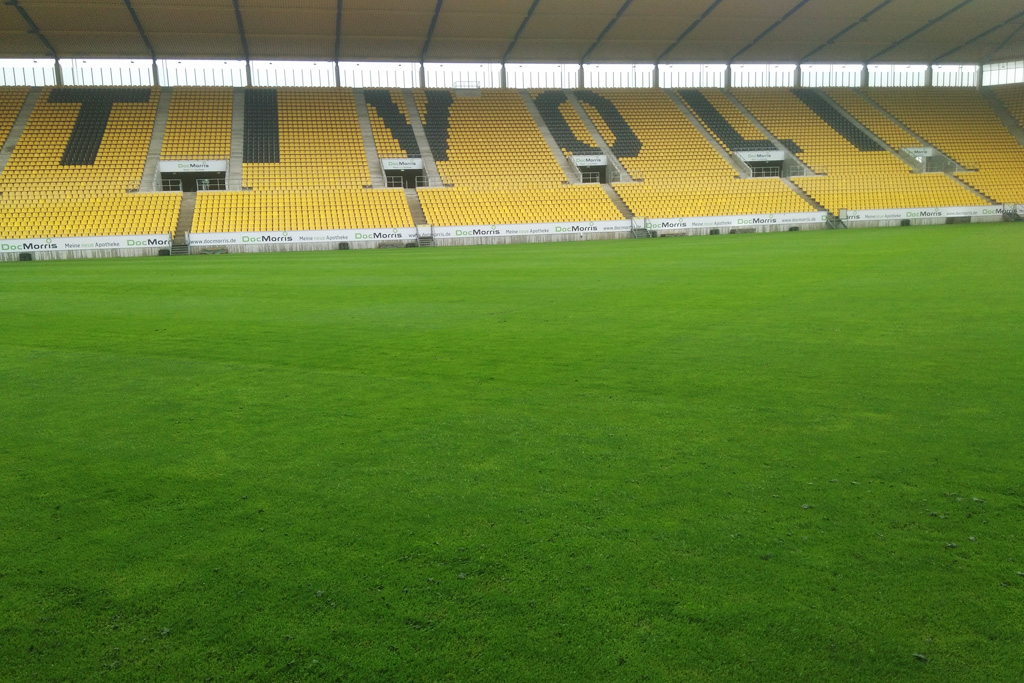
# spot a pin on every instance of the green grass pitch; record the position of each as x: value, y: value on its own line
x: 786, y: 457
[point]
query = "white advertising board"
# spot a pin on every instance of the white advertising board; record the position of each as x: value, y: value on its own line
x: 221, y: 239
x: 589, y: 160
x: 777, y: 155
x: 932, y: 212
x: 86, y: 243
x: 751, y: 221
x: 919, y: 152
x: 402, y: 164
x: 528, y: 229
x: 199, y: 166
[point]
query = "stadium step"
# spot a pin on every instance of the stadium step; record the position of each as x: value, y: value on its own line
x: 415, y: 207
x: 846, y: 127
x: 902, y: 125
x: 862, y: 128
x: 615, y: 166
x: 151, y: 173
x: 184, y: 225
x: 792, y: 160
x: 179, y: 250
x: 1004, y: 115
x: 425, y: 241
x: 234, y: 179
x: 429, y: 163
x: 369, y: 143
x: 640, y: 232
x: 571, y: 173
x: 742, y: 170
x: 617, y: 200
x: 803, y: 195
x: 19, y: 126
x: 974, y: 190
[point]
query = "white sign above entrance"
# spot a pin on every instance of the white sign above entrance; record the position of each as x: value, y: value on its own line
x: 589, y: 160
x: 774, y: 155
x: 402, y: 164
x: 197, y: 166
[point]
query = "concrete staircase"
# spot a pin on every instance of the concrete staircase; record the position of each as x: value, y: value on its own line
x: 803, y: 195
x: 892, y: 118
x: 617, y: 200
x: 429, y: 165
x: 849, y: 117
x: 234, y: 178
x: 742, y: 170
x: 640, y: 232
x: 19, y: 127
x: 613, y: 162
x: 1004, y: 115
x: 151, y: 173
x: 179, y: 243
x: 415, y: 207
x: 369, y: 144
x: 567, y: 167
x: 791, y: 159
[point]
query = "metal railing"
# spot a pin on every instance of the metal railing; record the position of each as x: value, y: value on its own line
x: 170, y: 185
x: 210, y: 184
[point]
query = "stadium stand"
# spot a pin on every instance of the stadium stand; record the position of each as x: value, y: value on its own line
x: 76, y: 169
x: 305, y: 162
x: 389, y: 121
x: 11, y: 102
x: 198, y: 124
x: 491, y: 138
x: 684, y: 176
x: 489, y: 149
x: 508, y: 205
x: 1012, y: 97
x: 962, y: 125
x: 300, y: 210
x: 564, y: 123
x: 725, y: 122
x: 872, y: 118
x: 855, y: 172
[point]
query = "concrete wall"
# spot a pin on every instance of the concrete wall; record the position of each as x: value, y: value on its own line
x: 81, y: 253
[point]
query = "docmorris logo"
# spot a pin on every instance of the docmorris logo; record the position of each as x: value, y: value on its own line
x: 478, y: 232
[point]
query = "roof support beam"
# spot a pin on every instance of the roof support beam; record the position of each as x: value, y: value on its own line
x: 771, y: 28
x: 522, y: 27
x: 833, y: 39
x: 430, y: 33
x: 990, y: 55
x: 600, y: 37
x: 983, y: 35
x: 245, y: 42
x: 337, y: 32
x: 34, y: 28
x: 688, y: 31
x: 142, y: 31
x: 927, y: 26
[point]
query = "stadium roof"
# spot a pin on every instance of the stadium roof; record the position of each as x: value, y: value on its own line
x: 532, y: 31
